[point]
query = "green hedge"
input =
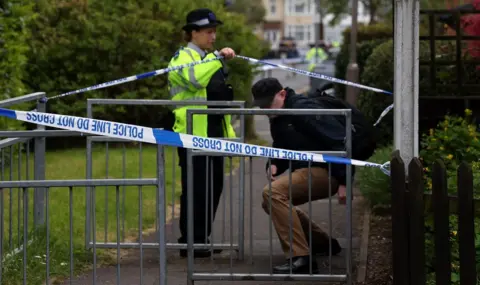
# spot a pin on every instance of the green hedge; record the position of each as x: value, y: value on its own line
x: 378, y: 72
x: 75, y: 46
x: 368, y: 37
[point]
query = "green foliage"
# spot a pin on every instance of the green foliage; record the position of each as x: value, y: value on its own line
x: 378, y: 72
x: 75, y: 45
x: 369, y: 32
x: 15, y: 15
x: 364, y: 49
x: 373, y: 184
x: 455, y: 139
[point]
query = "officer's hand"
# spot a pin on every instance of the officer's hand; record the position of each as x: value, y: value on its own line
x: 271, y: 173
x: 227, y: 53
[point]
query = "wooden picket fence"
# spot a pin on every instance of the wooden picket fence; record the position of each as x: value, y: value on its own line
x: 410, y: 204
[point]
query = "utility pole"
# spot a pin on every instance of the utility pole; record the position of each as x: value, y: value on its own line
x: 352, y: 69
x: 406, y: 74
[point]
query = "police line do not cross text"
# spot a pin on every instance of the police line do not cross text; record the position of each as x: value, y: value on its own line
x: 247, y: 149
x: 85, y: 124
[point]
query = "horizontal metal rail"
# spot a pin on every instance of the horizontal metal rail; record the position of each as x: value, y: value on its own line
x: 78, y: 183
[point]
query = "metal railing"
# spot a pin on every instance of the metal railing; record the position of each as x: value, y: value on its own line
x: 238, y: 211
x: 97, y: 139
x: 232, y: 275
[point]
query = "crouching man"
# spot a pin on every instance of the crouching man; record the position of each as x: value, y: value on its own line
x: 301, y: 133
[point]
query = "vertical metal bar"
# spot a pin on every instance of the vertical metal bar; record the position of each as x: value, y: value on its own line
x: 231, y: 214
x: 140, y: 211
x: 47, y: 222
x: 241, y: 197
x: 330, y: 220
x: 117, y: 208
x: 39, y: 172
x: 224, y: 208
x: 1, y: 226
x: 207, y: 180
x: 94, y: 234
x: 10, y: 209
x: 310, y: 216
x: 106, y: 192
x: 70, y: 202
x: 174, y: 179
x: 124, y: 169
x: 250, y: 165
x: 27, y: 174
x: 348, y: 254
x: 290, y: 218
x: 88, y: 190
x: 2, y: 222
x: 161, y: 215
x: 270, y: 223
x: 19, y: 196
x: 25, y: 233
x: 211, y: 212
x: 190, y: 216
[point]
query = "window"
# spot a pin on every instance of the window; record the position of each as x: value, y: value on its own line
x: 273, y: 7
x: 299, y: 33
x: 299, y: 8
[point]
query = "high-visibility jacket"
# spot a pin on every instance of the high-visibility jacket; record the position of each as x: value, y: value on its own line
x: 313, y: 59
x: 189, y: 84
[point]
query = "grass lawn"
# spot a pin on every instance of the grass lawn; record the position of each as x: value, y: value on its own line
x: 123, y: 162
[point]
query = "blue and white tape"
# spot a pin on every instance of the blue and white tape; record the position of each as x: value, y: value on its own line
x: 316, y: 75
x: 162, y: 137
x: 169, y: 69
x: 133, y: 78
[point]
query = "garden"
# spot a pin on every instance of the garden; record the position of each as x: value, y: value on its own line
x: 449, y: 131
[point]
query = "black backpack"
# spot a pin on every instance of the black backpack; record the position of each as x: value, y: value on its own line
x: 364, y: 136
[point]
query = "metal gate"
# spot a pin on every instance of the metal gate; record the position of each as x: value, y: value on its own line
x: 220, y: 272
x: 97, y: 139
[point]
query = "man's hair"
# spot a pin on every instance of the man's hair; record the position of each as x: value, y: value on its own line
x: 266, y: 87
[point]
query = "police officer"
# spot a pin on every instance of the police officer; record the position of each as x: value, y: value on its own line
x: 314, y: 56
x: 206, y: 81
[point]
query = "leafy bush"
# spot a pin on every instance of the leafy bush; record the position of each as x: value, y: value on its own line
x: 77, y: 46
x: 364, y: 49
x: 378, y: 73
x: 369, y: 32
x: 368, y: 37
x: 373, y: 184
x: 455, y: 139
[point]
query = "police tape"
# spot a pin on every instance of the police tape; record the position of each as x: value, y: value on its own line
x: 383, y: 114
x: 325, y: 77
x: 316, y: 75
x: 178, y: 67
x: 133, y: 78
x: 163, y: 137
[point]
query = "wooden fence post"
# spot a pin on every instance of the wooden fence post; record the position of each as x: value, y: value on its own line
x: 415, y: 206
x: 399, y: 222
x: 466, y: 225
x: 441, y: 224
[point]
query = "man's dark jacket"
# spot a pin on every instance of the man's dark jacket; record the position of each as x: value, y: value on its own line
x: 307, y: 133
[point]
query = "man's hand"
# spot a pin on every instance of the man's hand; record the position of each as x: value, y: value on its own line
x: 271, y: 173
x: 227, y: 53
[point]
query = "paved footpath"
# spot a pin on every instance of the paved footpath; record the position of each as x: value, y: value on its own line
x: 256, y: 227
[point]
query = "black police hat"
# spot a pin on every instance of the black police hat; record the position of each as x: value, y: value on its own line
x: 201, y: 18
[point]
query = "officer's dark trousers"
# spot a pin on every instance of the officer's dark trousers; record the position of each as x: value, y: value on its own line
x: 202, y: 194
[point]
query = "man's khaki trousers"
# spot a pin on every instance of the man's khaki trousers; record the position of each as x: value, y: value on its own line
x: 300, y: 221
